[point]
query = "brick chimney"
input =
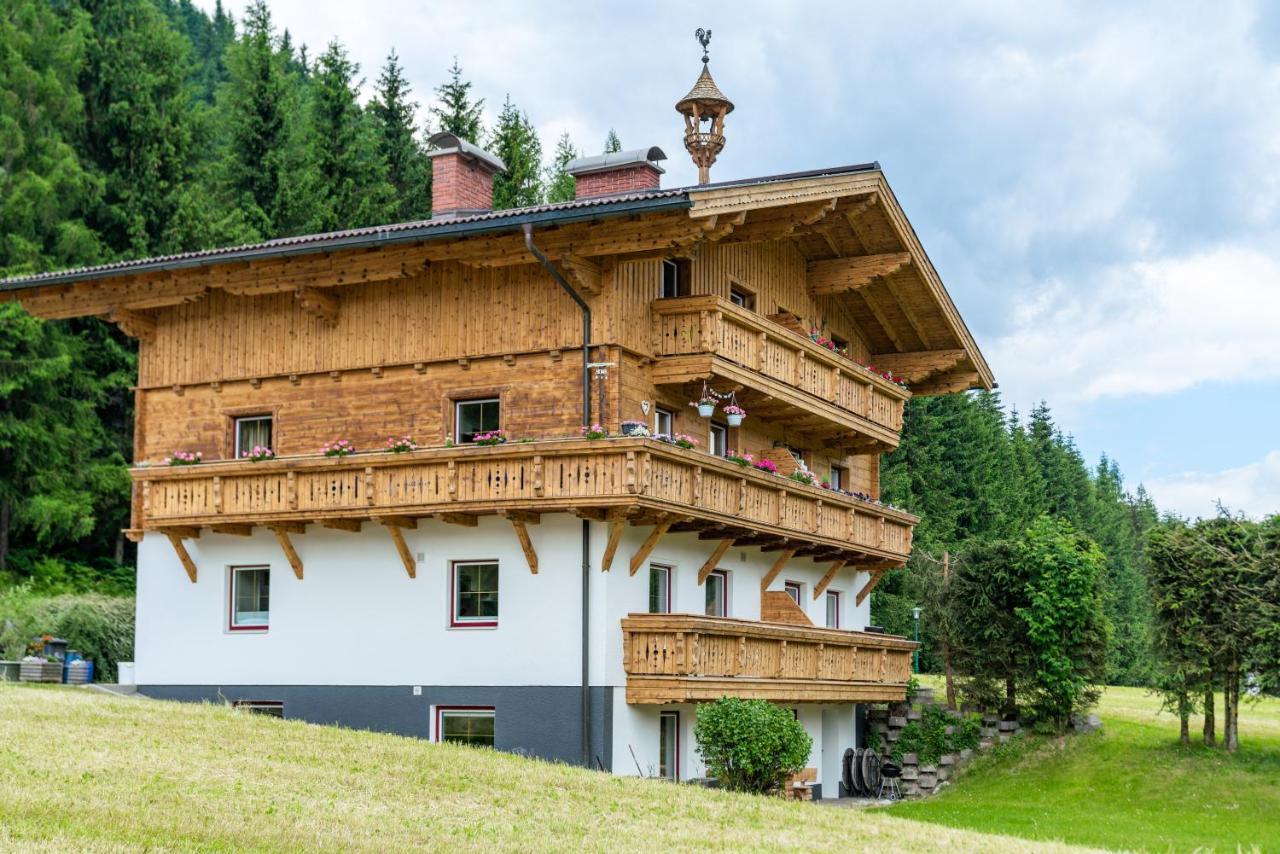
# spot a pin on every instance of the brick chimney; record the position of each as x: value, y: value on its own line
x: 461, y: 177
x: 619, y: 172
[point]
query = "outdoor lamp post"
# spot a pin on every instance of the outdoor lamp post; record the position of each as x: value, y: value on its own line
x: 915, y: 656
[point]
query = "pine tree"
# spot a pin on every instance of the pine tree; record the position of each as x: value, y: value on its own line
x: 408, y: 168
x: 516, y: 143
x: 456, y: 113
x: 611, y: 143
x: 561, y: 186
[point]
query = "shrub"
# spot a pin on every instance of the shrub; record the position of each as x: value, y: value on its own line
x: 750, y: 745
x: 99, y: 627
x: 929, y: 740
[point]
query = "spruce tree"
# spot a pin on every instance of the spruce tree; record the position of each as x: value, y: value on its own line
x: 611, y: 143
x: 408, y: 168
x: 456, y: 113
x: 516, y: 143
x: 561, y: 186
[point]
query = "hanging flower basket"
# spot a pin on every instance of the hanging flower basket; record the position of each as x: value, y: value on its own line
x: 734, y: 414
x: 706, y: 406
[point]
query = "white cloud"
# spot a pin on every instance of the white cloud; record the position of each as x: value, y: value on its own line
x: 1144, y: 328
x: 1253, y: 489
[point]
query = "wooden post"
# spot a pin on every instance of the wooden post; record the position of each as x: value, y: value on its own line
x: 649, y: 544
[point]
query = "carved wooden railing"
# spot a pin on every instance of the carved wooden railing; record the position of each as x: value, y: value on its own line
x: 691, y: 658
x: 558, y: 474
x: 709, y: 324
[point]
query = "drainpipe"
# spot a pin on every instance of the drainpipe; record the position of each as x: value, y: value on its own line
x: 586, y: 524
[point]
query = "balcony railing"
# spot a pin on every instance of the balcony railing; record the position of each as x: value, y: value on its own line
x: 680, y: 658
x: 541, y: 476
x: 711, y: 326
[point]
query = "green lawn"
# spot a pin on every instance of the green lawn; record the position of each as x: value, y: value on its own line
x: 1129, y: 786
x: 84, y: 771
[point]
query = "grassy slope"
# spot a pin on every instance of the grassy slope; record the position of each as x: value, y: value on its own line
x: 80, y: 770
x: 1129, y: 786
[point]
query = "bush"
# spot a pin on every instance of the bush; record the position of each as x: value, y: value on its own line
x: 929, y: 740
x: 99, y: 627
x: 751, y: 745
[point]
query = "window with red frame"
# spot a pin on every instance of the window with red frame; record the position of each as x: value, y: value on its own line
x: 250, y: 595
x: 474, y: 594
x: 833, y: 609
x: 794, y: 590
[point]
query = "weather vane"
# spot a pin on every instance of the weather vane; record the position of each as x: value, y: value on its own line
x: 704, y: 39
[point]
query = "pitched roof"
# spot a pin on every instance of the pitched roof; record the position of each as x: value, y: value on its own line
x: 704, y: 90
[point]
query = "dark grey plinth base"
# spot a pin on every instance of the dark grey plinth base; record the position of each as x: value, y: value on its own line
x: 541, y: 721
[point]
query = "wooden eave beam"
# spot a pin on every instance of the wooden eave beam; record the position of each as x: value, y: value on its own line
x: 235, y: 529
x: 466, y: 520
x: 913, y: 320
x: 918, y: 365
x: 877, y: 311
x: 175, y: 539
x: 949, y: 383
x: 133, y: 323
x: 583, y: 273
x: 778, y: 566
x: 286, y: 545
x: 319, y: 303
x: 713, y: 561
x: 650, y: 543
x: 840, y: 275
x: 827, y: 578
x: 397, y: 522
x: 350, y: 525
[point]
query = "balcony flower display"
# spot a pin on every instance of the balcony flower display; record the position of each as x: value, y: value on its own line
x: 183, y: 458
x: 257, y: 454
x: 802, y: 476
x: 734, y: 414
x: 595, y: 431
x: 706, y: 406
x: 743, y: 459
x: 493, y: 437
x: 683, y: 440
x: 635, y: 428
x: 401, y: 444
x: 816, y: 336
x: 338, y: 448
x: 766, y: 465
x: 888, y: 375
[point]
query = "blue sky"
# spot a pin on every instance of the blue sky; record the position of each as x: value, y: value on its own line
x: 1098, y: 184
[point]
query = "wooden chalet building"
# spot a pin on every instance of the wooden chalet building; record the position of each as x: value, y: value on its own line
x: 570, y: 597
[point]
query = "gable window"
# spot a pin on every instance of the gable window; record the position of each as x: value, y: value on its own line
x: 795, y: 591
x: 474, y: 594
x: 472, y: 725
x: 717, y: 602
x: 839, y: 478
x: 676, y: 281
x: 250, y: 598
x: 739, y: 295
x: 270, y: 708
x: 664, y: 422
x: 669, y: 745
x: 659, y: 589
x: 252, y: 431
x: 833, y: 609
x: 718, y: 442
x: 473, y: 417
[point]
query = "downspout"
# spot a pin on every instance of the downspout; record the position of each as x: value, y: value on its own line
x: 586, y: 524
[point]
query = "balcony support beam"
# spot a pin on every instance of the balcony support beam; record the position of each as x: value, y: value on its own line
x: 777, y: 567
x: 827, y: 579
x: 402, y: 548
x: 520, y: 522
x: 617, y: 524
x: 352, y: 526
x: 188, y: 564
x: 466, y: 520
x: 237, y: 530
x: 650, y: 544
x: 286, y: 545
x: 721, y: 547
x: 877, y: 571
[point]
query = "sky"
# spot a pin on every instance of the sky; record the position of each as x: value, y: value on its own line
x: 1098, y: 184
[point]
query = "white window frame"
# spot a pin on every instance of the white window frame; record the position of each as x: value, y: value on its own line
x: 834, y: 597
x: 457, y: 621
x: 724, y: 577
x: 658, y: 414
x: 245, y: 419
x: 443, y: 712
x: 232, y: 625
x: 711, y: 439
x: 667, y: 570
x: 457, y: 415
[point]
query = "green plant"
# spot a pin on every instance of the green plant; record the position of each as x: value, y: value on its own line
x: 928, y: 738
x: 913, y: 688
x: 100, y: 627
x: 873, y: 739
x: 750, y: 745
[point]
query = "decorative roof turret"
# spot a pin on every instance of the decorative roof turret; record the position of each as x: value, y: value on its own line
x: 704, y: 109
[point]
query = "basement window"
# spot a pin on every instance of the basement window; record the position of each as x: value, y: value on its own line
x: 676, y: 279
x: 473, y: 417
x: 250, y: 598
x: 717, y: 602
x: 473, y: 725
x: 253, y: 431
x: 270, y: 708
x: 833, y: 609
x: 659, y: 589
x: 474, y: 592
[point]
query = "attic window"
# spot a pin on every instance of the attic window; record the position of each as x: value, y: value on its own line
x: 676, y: 279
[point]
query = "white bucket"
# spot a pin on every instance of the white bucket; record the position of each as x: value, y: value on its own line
x: 124, y: 673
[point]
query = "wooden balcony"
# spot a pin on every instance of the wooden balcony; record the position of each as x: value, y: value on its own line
x: 641, y: 480
x: 784, y: 375
x: 687, y: 658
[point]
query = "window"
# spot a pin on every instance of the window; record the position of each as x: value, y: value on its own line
x: 659, y: 589
x: 718, y: 443
x: 839, y: 477
x: 795, y: 591
x: 675, y: 278
x: 717, y: 593
x: 833, y: 609
x: 664, y: 422
x: 270, y: 708
x: 465, y: 725
x: 252, y: 431
x: 250, y: 598
x: 798, y: 453
x: 474, y: 594
x: 669, y: 745
x: 741, y: 296
x: 475, y: 416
